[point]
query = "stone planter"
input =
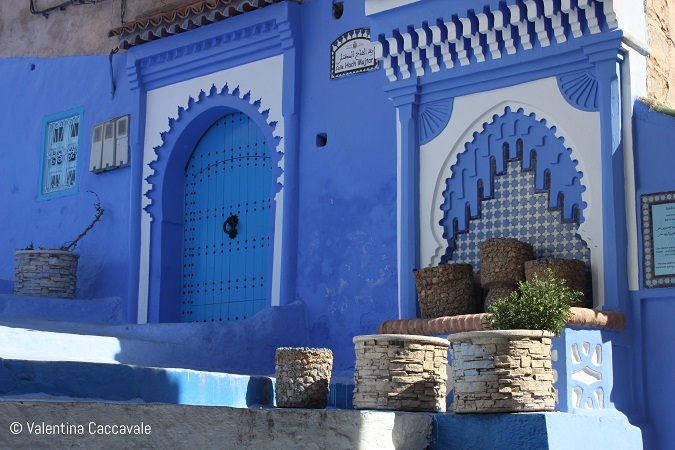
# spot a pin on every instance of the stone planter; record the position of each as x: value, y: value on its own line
x: 45, y: 273
x: 502, y: 266
x: 303, y: 377
x: 399, y: 372
x: 445, y: 290
x: 572, y: 270
x: 502, y: 371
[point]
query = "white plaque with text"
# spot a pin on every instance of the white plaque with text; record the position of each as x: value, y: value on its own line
x: 352, y: 53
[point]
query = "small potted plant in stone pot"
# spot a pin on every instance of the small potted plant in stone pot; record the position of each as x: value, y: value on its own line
x: 50, y: 272
x: 508, y: 368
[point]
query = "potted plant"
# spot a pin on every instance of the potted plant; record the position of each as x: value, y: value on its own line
x: 50, y: 272
x: 508, y: 368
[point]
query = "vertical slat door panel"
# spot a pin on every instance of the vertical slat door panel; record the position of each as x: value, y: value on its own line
x: 229, y: 174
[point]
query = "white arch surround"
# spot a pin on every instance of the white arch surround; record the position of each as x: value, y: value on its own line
x: 162, y: 105
x: 580, y: 130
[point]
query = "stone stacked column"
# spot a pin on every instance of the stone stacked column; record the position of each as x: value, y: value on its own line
x: 303, y: 377
x: 502, y: 371
x: 399, y: 372
x: 45, y: 273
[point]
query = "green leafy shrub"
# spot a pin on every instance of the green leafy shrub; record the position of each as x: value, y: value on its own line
x: 539, y: 304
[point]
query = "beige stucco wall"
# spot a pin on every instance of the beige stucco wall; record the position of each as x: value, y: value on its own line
x: 661, y: 63
x: 77, y: 30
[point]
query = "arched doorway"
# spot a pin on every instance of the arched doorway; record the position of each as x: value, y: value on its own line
x: 227, y: 223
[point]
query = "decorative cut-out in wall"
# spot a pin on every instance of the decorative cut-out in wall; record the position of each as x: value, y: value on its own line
x: 580, y: 89
x: 517, y: 211
x: 586, y: 379
x: 510, y: 137
x: 433, y: 117
x: 473, y: 37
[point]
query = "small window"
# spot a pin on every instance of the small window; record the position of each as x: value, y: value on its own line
x: 61, y: 142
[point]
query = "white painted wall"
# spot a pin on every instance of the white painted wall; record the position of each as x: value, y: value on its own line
x: 263, y: 79
x: 580, y: 129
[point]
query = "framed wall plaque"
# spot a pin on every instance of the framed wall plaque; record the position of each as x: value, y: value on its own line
x: 352, y: 53
x: 658, y: 239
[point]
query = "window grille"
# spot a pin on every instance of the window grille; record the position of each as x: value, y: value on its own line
x: 61, y: 145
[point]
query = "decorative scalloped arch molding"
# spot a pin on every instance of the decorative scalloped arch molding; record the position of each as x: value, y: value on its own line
x: 580, y: 89
x: 186, y: 130
x: 433, y: 117
x: 511, y: 136
x: 166, y: 185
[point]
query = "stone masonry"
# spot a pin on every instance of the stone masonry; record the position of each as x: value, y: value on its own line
x: 303, y: 377
x: 502, y: 371
x: 445, y: 290
x: 46, y: 273
x: 501, y: 262
x: 398, y: 372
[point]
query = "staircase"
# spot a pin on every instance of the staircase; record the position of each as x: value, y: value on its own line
x: 101, y: 383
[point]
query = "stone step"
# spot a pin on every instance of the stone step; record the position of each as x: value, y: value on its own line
x: 58, y: 424
x: 128, y: 383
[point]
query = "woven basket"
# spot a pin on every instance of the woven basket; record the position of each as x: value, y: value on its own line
x: 303, y: 377
x: 573, y: 271
x: 502, y: 266
x: 445, y: 290
x: 502, y: 260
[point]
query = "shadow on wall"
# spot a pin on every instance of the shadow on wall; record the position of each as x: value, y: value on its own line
x: 247, y: 347
x: 6, y: 286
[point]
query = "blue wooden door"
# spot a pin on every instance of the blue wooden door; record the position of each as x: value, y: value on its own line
x: 228, y: 185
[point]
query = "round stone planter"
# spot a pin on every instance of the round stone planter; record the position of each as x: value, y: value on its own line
x: 400, y: 372
x: 502, y: 371
x: 445, y: 290
x: 45, y: 273
x: 303, y: 377
x: 502, y: 266
x: 572, y: 270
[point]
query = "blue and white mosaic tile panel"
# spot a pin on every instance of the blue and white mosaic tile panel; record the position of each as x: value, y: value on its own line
x: 517, y: 211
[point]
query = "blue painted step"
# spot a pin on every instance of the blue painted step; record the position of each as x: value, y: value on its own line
x: 246, y: 347
x: 127, y: 383
x: 102, y: 311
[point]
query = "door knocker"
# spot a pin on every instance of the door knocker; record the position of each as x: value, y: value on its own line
x: 230, y: 226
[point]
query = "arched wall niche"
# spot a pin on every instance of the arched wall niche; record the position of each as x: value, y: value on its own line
x: 542, y: 101
x: 167, y: 181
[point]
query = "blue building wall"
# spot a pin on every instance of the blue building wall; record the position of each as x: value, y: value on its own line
x: 347, y: 201
x: 346, y: 204
x: 652, y: 310
x: 346, y: 270
x: 32, y: 89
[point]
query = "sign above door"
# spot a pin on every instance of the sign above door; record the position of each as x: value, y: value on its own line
x: 352, y: 53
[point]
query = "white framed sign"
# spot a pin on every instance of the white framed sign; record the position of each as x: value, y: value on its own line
x: 658, y: 239
x: 352, y: 53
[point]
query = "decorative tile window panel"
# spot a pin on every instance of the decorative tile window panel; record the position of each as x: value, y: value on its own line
x: 60, y: 154
x: 517, y: 211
